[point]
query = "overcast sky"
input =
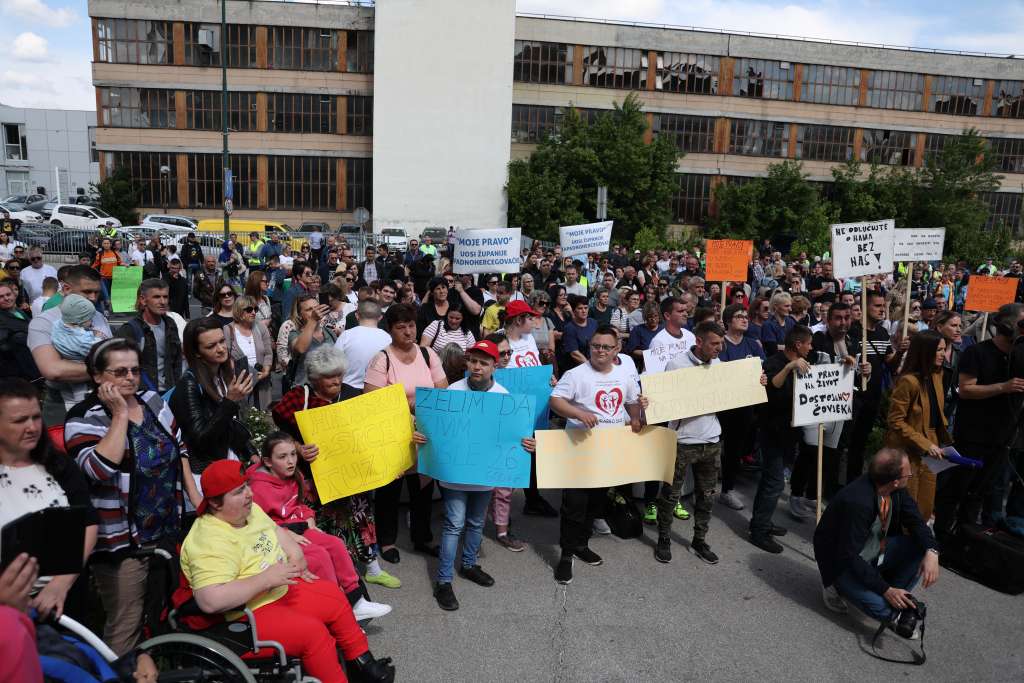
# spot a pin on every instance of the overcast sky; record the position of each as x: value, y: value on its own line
x: 47, y: 63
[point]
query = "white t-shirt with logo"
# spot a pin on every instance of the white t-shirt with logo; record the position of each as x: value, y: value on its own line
x: 524, y: 352
x: 603, y: 394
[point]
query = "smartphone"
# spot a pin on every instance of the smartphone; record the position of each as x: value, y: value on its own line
x: 242, y: 365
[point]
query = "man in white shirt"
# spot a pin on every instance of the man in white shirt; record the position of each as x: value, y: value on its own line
x: 595, y: 394
x: 361, y: 343
x: 37, y: 271
x: 698, y: 445
x: 673, y: 340
x: 572, y: 282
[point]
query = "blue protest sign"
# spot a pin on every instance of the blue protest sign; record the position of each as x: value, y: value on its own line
x: 474, y: 437
x: 533, y: 381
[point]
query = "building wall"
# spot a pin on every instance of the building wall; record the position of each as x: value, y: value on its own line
x: 442, y: 112
x: 55, y: 138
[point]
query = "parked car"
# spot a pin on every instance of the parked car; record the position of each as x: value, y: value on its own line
x: 35, y: 235
x: 73, y: 216
x: 395, y: 238
x: 162, y: 220
x: 350, y: 229
x: 311, y: 226
x: 436, y: 235
x: 44, y: 208
x: 25, y: 216
x: 19, y: 202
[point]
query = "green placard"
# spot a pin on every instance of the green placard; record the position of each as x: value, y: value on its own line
x: 124, y: 288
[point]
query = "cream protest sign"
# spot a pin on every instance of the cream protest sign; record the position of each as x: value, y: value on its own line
x: 594, y: 458
x: 365, y: 442
x: 703, y: 389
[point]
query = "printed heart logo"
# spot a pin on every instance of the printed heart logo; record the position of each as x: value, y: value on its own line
x: 527, y: 359
x: 608, y: 402
x: 845, y: 396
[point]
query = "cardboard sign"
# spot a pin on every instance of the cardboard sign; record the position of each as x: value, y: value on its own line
x: 475, y: 437
x: 124, y: 288
x: 365, y: 442
x: 535, y: 381
x: 593, y: 458
x: 864, y: 248
x: 824, y: 394
x: 987, y: 294
x: 487, y: 251
x: 660, y: 353
x: 585, y: 239
x: 924, y: 244
x: 702, y: 390
x: 728, y: 260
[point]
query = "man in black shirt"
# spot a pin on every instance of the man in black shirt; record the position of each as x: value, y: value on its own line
x: 823, y: 284
x: 778, y: 437
x: 985, y: 421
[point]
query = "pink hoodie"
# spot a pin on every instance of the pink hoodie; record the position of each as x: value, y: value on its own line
x: 279, y: 498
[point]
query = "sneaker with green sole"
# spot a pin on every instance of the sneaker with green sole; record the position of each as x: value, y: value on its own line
x: 651, y: 514
x: 680, y: 512
x: 383, y: 579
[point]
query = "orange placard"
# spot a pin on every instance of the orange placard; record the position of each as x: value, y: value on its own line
x: 727, y: 260
x: 987, y: 294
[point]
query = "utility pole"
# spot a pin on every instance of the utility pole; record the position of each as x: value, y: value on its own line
x: 228, y: 180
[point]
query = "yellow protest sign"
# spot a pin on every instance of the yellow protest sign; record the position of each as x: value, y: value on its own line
x: 365, y: 442
x: 703, y: 389
x: 591, y: 458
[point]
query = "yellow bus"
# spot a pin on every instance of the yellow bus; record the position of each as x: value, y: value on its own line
x: 242, y: 227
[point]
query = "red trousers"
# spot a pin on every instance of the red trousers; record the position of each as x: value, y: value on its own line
x: 328, y: 558
x: 312, y: 621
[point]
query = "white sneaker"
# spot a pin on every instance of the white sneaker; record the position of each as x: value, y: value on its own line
x: 730, y: 499
x: 364, y: 610
x: 798, y: 508
x: 833, y: 600
x: 601, y: 527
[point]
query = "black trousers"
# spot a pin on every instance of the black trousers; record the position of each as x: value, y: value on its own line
x: 962, y: 489
x: 386, y: 510
x: 803, y: 482
x: 739, y: 427
x: 531, y: 491
x: 580, y: 507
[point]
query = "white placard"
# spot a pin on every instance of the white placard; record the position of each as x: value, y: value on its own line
x: 824, y: 394
x: 919, y: 244
x: 487, y: 251
x: 862, y: 248
x: 585, y: 239
x: 657, y: 357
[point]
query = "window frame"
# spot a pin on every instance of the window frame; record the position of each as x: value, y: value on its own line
x: 883, y: 152
x: 898, y: 90
x: 143, y: 105
x: 690, y: 134
x: 536, y: 61
x: 679, y: 73
x: 297, y: 183
x: 778, y: 87
x: 744, y: 143
x: 119, y: 41
x: 826, y: 138
x: 301, y: 48
x: 827, y: 84
x: 298, y: 112
x: 615, y: 72
x: 947, y: 87
x: 1014, y: 94
x: 691, y: 201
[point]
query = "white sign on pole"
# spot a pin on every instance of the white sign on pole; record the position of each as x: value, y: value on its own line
x: 914, y: 244
x: 487, y: 251
x: 824, y: 394
x: 585, y: 239
x: 865, y: 248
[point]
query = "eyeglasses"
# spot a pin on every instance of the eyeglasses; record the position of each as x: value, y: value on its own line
x: 249, y: 309
x: 608, y: 348
x: 227, y: 295
x: 36, y: 258
x: 505, y: 354
x: 121, y: 373
x: 741, y: 315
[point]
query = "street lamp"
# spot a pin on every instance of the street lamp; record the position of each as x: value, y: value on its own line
x: 165, y: 184
x: 227, y: 202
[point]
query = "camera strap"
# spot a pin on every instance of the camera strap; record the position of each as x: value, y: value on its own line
x: 917, y: 658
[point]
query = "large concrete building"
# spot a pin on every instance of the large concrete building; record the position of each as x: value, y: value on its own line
x: 47, y: 148
x: 454, y: 90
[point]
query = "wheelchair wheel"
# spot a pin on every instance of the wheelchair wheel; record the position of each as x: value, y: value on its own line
x: 188, y: 657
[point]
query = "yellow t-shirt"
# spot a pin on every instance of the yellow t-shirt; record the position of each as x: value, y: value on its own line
x: 215, y: 552
x: 491, y: 322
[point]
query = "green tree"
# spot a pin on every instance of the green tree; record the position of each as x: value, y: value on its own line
x: 558, y: 184
x: 119, y: 195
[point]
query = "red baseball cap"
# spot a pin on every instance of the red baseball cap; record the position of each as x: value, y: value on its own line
x: 219, y: 478
x: 517, y: 307
x: 484, y: 346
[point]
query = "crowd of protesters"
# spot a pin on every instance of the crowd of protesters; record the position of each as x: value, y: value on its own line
x: 151, y: 414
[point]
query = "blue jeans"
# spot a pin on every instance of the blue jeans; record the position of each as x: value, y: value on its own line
x: 902, y: 561
x: 769, y: 487
x: 462, y: 510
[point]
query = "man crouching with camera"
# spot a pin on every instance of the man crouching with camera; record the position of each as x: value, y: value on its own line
x: 872, y: 546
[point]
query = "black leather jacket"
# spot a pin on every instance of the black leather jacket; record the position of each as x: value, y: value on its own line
x: 16, y: 359
x: 209, y: 427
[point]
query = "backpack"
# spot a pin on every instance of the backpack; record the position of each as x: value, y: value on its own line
x: 387, y: 359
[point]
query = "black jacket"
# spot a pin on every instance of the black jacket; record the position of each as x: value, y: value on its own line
x: 137, y: 330
x: 382, y: 271
x: 177, y: 294
x: 208, y: 427
x: 846, y: 524
x: 17, y: 360
x: 191, y: 253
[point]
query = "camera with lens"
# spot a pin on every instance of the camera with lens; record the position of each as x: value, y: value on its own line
x: 907, y: 621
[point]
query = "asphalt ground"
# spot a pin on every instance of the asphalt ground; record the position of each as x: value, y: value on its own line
x: 753, y: 616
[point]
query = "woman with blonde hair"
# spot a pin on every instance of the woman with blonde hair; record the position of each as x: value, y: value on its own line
x: 247, y: 339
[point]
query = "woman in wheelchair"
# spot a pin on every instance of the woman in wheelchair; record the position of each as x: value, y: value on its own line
x: 235, y: 554
x: 279, y: 489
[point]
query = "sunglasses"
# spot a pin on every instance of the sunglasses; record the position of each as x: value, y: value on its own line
x: 36, y: 258
x: 348, y: 279
x: 505, y: 354
x: 249, y: 309
x: 13, y: 267
x: 121, y: 373
x: 227, y: 295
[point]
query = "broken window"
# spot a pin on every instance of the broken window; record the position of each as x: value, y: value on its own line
x: 687, y: 73
x: 956, y: 95
x: 15, y: 142
x: 359, y: 52
x: 137, y: 108
x: 1008, y: 154
x: 615, y: 67
x: 891, y: 147
x: 134, y: 41
x: 1008, y: 99
x: 758, y: 138
x: 765, y: 78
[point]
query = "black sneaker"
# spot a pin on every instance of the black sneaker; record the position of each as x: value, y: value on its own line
x: 445, y: 597
x: 427, y: 549
x: 663, y: 551
x: 476, y: 575
x: 766, y: 543
x: 588, y: 556
x: 538, y: 507
x: 563, y: 572
x: 701, y: 550
x: 778, y: 530
x: 391, y: 555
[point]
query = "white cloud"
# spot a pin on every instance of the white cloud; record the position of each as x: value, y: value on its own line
x: 66, y: 84
x: 29, y: 47
x: 39, y: 11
